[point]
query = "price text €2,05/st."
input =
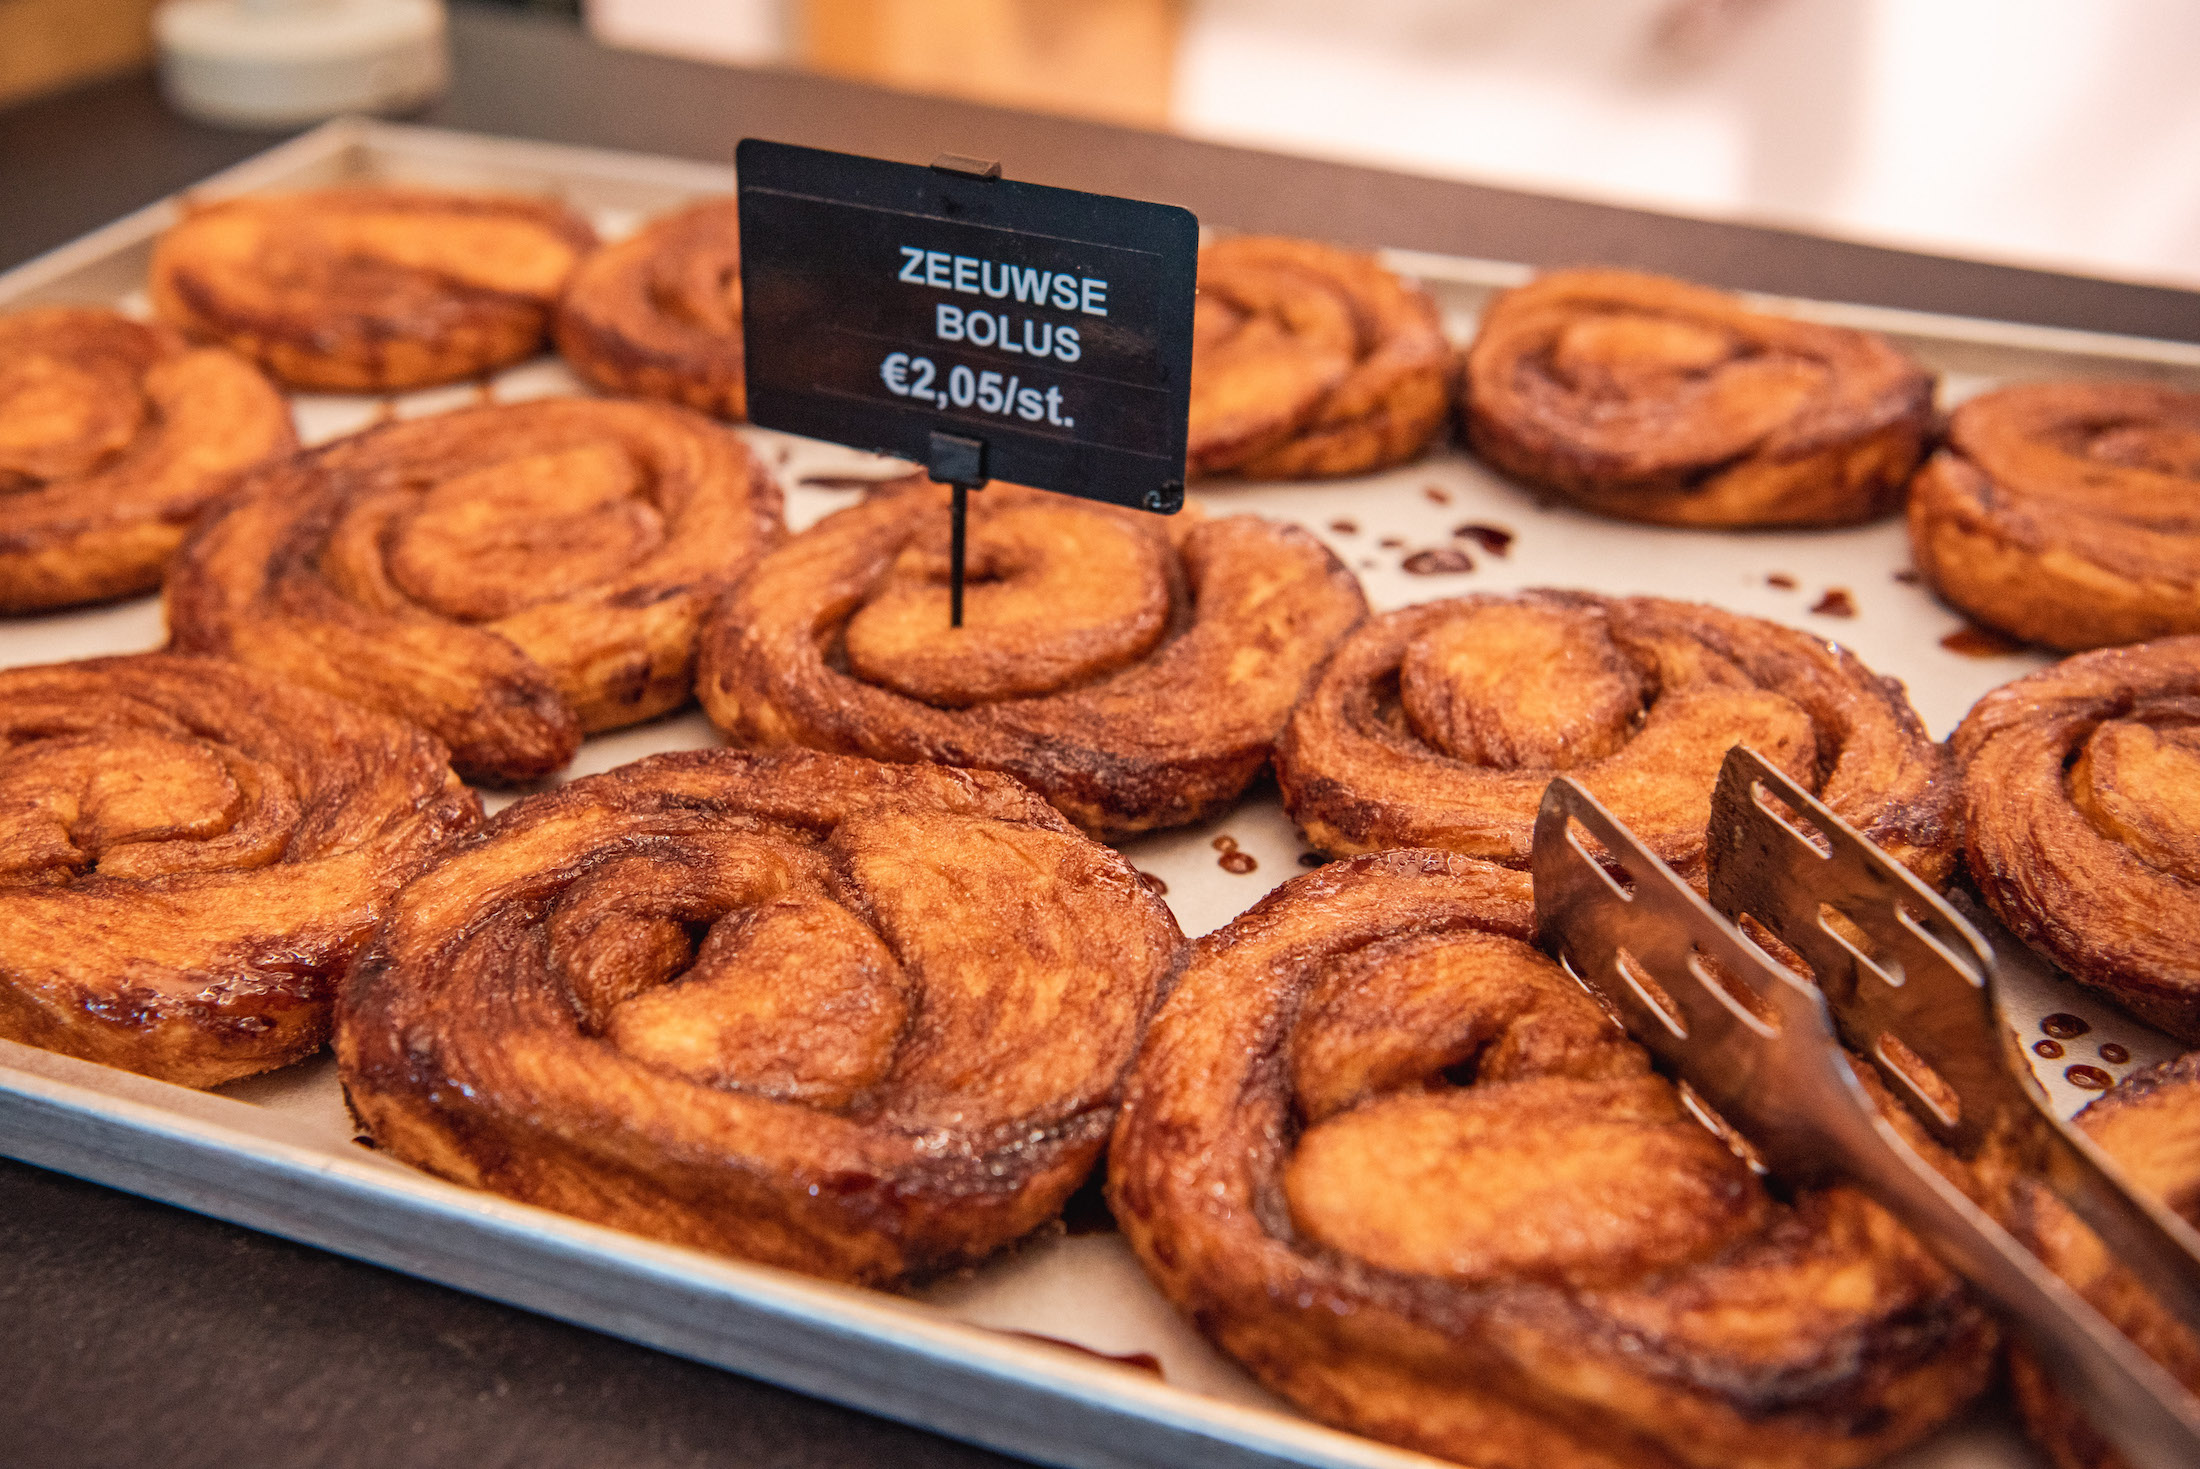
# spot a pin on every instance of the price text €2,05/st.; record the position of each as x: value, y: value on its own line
x: 1042, y: 339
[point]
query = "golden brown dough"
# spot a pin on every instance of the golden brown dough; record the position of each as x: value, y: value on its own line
x: 2059, y: 512
x: 1649, y: 399
x: 2082, y: 789
x: 370, y: 289
x: 1391, y: 1158
x: 2150, y: 1124
x: 859, y: 1020
x: 190, y: 853
x: 1440, y: 725
x: 658, y: 315
x: 1309, y: 361
x: 507, y: 577
x: 1133, y: 670
x: 113, y: 437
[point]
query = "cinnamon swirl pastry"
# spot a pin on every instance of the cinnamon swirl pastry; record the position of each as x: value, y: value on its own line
x: 2150, y: 1124
x: 1648, y: 399
x: 859, y: 1020
x: 1134, y: 673
x: 1391, y: 1158
x: 113, y: 437
x: 2082, y: 789
x: 1310, y: 361
x: 191, y: 851
x: 659, y: 315
x: 370, y: 289
x: 1440, y: 725
x: 506, y: 577
x: 2057, y: 512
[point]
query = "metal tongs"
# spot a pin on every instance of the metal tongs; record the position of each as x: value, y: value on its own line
x: 1907, y: 983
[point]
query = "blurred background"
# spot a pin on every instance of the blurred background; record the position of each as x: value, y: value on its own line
x: 2063, y: 133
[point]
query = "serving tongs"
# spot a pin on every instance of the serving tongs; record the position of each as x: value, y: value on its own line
x: 1909, y: 984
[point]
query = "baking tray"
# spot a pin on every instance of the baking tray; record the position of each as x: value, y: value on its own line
x: 278, y: 1153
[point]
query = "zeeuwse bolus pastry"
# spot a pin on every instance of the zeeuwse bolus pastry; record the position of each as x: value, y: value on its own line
x: 2055, y: 512
x: 1390, y: 1157
x: 1309, y: 361
x: 370, y: 288
x: 1439, y: 725
x: 1134, y: 670
x: 658, y: 314
x: 114, y: 435
x: 190, y: 853
x: 865, y: 1021
x: 509, y: 577
x: 1645, y: 398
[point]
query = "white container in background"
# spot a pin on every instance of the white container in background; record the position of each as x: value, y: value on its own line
x: 279, y: 63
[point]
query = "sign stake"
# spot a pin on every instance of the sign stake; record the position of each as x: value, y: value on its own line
x: 960, y: 462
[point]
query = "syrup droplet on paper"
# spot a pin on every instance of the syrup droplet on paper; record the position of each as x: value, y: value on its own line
x: 1781, y: 580
x: 1909, y: 577
x: 1345, y: 527
x: 2092, y: 1078
x: 1312, y: 859
x: 1224, y: 843
x: 1494, y: 539
x: 1980, y: 642
x: 1237, y: 862
x: 1436, y: 496
x: 1443, y: 561
x: 2064, y: 1027
x: 1835, y: 603
x: 2114, y: 1054
x: 1153, y: 884
x: 2047, y: 1050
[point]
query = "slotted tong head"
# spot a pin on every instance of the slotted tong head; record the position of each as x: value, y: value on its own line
x: 1907, y: 983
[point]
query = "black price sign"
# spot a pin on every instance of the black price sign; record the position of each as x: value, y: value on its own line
x: 985, y: 328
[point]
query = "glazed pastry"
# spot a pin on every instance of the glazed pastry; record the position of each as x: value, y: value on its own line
x: 659, y: 315
x: 2150, y: 1124
x: 1440, y: 725
x: 1645, y: 398
x: 509, y: 578
x: 190, y: 853
x: 2055, y: 512
x: 370, y: 289
x: 1396, y: 1162
x: 1310, y: 361
x: 864, y: 1021
x: 113, y: 437
x: 2082, y: 789
x: 1133, y: 670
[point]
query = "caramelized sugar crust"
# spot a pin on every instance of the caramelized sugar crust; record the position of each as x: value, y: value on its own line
x: 2061, y: 513
x: 191, y: 851
x: 2082, y: 788
x: 370, y: 289
x: 113, y: 437
x: 1387, y: 1155
x: 853, y: 1019
x: 2150, y: 1124
x: 508, y: 577
x: 1132, y: 669
x: 1645, y: 398
x: 658, y: 315
x: 1441, y: 724
x: 1309, y: 361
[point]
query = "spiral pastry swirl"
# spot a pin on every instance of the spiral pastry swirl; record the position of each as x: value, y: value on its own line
x: 658, y: 315
x: 2082, y: 792
x: 370, y: 289
x: 113, y: 437
x: 506, y: 577
x: 190, y: 853
x: 1310, y: 361
x: 2057, y: 512
x: 859, y: 1020
x: 1440, y: 725
x: 2150, y: 1124
x: 1644, y: 398
x: 1134, y: 673
x: 1395, y: 1161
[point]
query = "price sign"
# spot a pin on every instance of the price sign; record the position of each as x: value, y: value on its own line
x: 985, y: 328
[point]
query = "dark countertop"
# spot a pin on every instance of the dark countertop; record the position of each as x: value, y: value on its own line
x: 133, y: 1333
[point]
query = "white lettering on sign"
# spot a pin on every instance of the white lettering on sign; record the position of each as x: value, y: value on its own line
x: 1023, y: 336
x: 1001, y: 281
x: 983, y: 389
